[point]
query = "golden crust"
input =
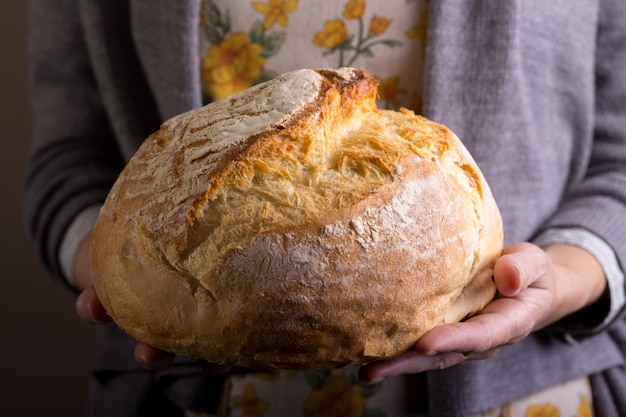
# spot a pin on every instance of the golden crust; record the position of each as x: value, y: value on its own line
x: 307, y: 230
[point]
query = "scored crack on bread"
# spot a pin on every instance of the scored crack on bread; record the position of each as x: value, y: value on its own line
x: 295, y: 225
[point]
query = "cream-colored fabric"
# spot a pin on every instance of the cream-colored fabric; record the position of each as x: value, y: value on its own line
x: 317, y: 394
x: 312, y: 394
x: 245, y: 42
x: 572, y: 399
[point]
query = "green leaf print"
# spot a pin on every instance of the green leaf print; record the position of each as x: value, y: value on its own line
x: 257, y: 32
x: 390, y: 42
x: 272, y: 43
x: 212, y: 35
x: 354, y: 45
x: 216, y: 26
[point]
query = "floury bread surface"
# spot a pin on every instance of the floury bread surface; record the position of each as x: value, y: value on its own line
x: 295, y: 225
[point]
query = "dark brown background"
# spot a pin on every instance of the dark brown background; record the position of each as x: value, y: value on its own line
x: 45, y: 351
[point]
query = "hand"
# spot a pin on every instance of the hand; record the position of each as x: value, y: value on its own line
x: 536, y: 287
x: 91, y: 311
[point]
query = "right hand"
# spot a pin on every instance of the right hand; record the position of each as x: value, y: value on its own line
x: 90, y: 310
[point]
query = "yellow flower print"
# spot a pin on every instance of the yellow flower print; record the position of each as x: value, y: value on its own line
x: 232, y: 66
x: 388, y: 91
x: 275, y: 11
x: 419, y: 31
x: 547, y: 410
x: 337, y: 397
x: 333, y: 34
x: 354, y: 9
x: 252, y: 405
x: 378, y: 25
x: 584, y: 408
x: 335, y: 38
x: 416, y: 32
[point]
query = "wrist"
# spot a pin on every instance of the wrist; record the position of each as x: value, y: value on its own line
x: 579, y: 279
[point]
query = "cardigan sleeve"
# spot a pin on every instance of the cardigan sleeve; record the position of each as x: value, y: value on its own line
x: 597, y: 202
x: 599, y: 316
x: 76, y: 233
x: 74, y: 158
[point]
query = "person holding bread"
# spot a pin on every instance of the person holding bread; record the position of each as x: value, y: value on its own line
x: 353, y: 207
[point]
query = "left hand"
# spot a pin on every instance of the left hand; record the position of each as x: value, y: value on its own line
x: 91, y: 311
x: 535, y: 287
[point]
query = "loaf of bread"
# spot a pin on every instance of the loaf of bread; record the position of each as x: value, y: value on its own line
x: 296, y: 225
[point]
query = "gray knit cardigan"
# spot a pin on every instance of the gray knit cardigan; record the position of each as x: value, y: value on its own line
x: 536, y: 90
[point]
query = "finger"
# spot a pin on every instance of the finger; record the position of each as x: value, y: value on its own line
x: 520, y: 266
x: 89, y: 308
x: 153, y: 359
x: 408, y: 364
x: 507, y: 276
x: 503, y: 322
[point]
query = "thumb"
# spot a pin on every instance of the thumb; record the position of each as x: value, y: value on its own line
x: 518, y: 268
